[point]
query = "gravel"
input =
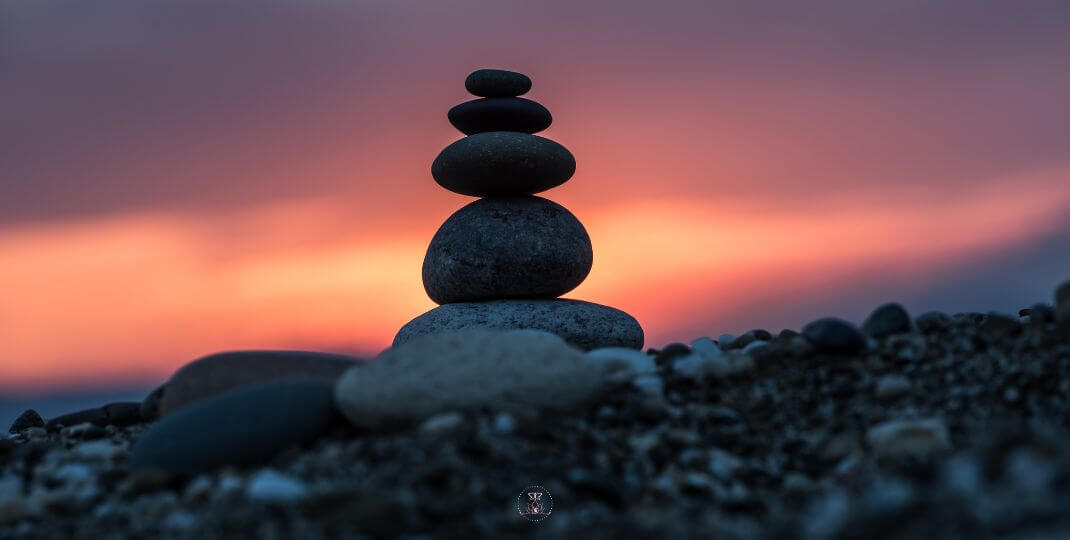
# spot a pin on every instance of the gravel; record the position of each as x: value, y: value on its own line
x: 955, y: 427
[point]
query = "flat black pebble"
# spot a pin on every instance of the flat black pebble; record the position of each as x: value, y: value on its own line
x: 28, y: 419
x: 500, y: 114
x: 502, y: 163
x: 497, y: 83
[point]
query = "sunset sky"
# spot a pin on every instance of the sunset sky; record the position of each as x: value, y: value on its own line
x: 179, y: 178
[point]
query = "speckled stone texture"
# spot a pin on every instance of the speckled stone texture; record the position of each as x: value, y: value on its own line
x: 500, y: 114
x: 502, y: 163
x: 583, y: 324
x: 472, y: 369
x: 497, y: 83
x: 507, y: 247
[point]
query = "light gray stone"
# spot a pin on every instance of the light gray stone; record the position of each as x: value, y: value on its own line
x: 523, y: 370
x: 583, y: 324
x: 909, y: 438
x: 507, y: 247
x: 271, y: 486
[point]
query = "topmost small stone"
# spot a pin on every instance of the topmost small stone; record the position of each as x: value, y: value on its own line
x: 497, y: 83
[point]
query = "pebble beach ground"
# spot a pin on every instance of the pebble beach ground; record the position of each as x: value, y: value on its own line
x: 939, y: 426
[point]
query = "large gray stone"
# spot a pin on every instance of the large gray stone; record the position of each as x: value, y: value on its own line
x: 502, y: 163
x: 583, y: 324
x: 245, y: 426
x: 518, y: 369
x: 217, y: 373
x: 507, y: 247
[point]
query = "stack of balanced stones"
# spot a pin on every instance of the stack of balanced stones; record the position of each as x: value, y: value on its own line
x: 502, y: 261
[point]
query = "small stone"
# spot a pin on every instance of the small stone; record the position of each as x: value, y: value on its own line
x: 507, y: 247
x: 217, y: 373
x: 522, y: 369
x: 180, y: 521
x: 834, y: 336
x: 726, y: 341
x: 582, y: 324
x: 886, y: 320
x: 443, y: 424
x: 270, y: 486
x: 892, y: 386
x: 671, y: 352
x: 1041, y: 314
x: 99, y: 449
x: 96, y: 416
x: 998, y: 325
x: 244, y: 426
x: 29, y: 418
x: 502, y: 163
x: 933, y: 321
x: 623, y: 364
x: 500, y: 114
x: 504, y: 423
x: 723, y: 465
x: 122, y: 414
x: 497, y: 83
x: 755, y: 347
x: 909, y: 438
x: 85, y: 431
x: 1062, y: 294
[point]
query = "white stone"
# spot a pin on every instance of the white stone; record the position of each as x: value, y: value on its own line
x: 443, y: 423
x: 525, y: 370
x: 909, y: 438
x: 621, y: 364
x: 755, y: 346
x: 179, y: 521
x: 724, y: 465
x: 705, y: 345
x: 103, y: 449
x: 706, y: 359
x: 274, y: 487
x: 504, y: 423
x: 651, y: 385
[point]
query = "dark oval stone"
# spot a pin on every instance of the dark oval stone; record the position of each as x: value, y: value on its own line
x: 834, y: 335
x: 242, y: 427
x: 502, y: 163
x: 585, y: 325
x: 507, y: 247
x: 28, y: 419
x: 95, y: 416
x: 886, y: 320
x: 217, y: 373
x: 500, y: 114
x: 497, y: 83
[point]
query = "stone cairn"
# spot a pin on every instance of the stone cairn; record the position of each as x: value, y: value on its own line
x: 502, y: 261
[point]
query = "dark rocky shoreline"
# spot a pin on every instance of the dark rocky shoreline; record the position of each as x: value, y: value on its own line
x: 956, y: 427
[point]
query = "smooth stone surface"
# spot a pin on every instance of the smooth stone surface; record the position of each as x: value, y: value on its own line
x: 921, y: 438
x: 583, y: 324
x: 502, y: 163
x: 497, y: 83
x: 518, y: 369
x: 28, y: 419
x: 116, y: 414
x: 886, y: 320
x: 244, y: 426
x: 507, y: 247
x: 150, y: 406
x: 217, y: 373
x: 834, y: 335
x: 499, y: 114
